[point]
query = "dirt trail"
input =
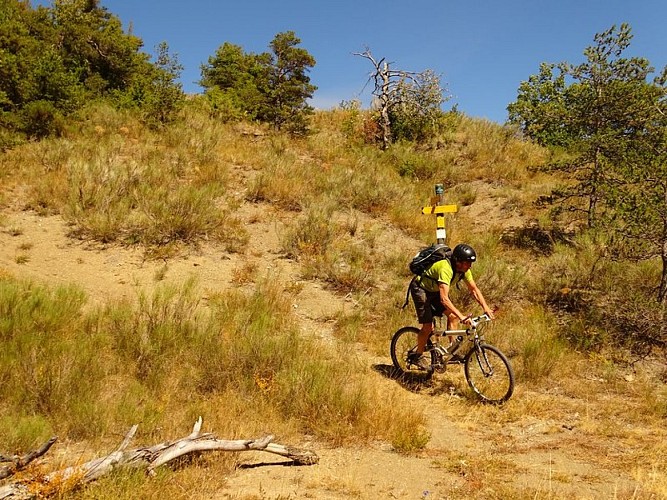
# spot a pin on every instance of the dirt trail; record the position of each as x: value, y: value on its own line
x: 38, y: 248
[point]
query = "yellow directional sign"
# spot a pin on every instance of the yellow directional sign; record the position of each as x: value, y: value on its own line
x: 439, y: 209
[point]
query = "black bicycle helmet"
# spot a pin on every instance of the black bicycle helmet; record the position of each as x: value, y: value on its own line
x: 464, y: 253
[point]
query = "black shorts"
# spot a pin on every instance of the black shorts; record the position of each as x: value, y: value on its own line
x: 427, y: 304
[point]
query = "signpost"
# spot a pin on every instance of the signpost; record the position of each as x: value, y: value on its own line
x: 439, y: 208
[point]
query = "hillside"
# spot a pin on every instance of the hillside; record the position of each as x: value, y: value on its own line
x: 583, y: 428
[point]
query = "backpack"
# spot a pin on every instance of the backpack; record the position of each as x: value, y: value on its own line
x: 428, y: 256
x: 424, y: 259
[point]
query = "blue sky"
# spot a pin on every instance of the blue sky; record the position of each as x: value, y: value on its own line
x: 481, y: 49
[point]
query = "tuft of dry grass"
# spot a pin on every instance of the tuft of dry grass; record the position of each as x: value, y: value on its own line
x: 245, y: 274
x: 120, y: 182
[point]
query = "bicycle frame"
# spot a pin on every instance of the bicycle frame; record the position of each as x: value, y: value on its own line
x: 470, y: 334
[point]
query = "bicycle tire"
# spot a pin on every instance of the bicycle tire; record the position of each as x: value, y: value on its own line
x: 403, y: 342
x: 489, y: 374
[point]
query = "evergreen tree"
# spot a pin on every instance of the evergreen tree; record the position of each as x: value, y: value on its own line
x: 594, y: 118
x: 288, y: 87
x: 232, y: 81
x: 36, y: 86
x: 270, y: 87
x: 610, y: 122
x: 94, y: 46
x: 641, y: 200
x: 57, y: 59
x: 155, y: 90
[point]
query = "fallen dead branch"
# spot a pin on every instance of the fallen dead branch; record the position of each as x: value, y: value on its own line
x: 147, y: 458
x: 17, y: 463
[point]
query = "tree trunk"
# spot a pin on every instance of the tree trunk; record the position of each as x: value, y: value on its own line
x: 382, y: 77
x: 384, y: 106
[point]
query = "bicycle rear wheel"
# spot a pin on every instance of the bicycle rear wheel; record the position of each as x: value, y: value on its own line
x: 403, y: 343
x: 489, y: 374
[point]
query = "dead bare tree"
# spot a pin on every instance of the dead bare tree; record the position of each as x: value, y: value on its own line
x: 385, y: 83
x: 398, y: 89
x: 147, y: 458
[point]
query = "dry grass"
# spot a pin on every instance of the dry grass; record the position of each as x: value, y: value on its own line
x: 578, y: 429
x: 225, y: 355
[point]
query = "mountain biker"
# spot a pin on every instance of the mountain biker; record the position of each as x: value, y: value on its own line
x: 430, y: 292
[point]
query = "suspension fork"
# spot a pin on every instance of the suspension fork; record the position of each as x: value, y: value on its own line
x: 482, y: 360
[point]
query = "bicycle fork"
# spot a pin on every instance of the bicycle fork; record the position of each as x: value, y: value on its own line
x: 483, y: 362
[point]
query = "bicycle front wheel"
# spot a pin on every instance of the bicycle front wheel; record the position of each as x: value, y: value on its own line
x: 403, y: 343
x: 489, y: 374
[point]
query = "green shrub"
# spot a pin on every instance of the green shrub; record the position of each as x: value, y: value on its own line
x: 150, y: 339
x: 41, y: 119
x: 540, y: 355
x: 410, y: 438
x: 601, y: 300
x: 145, y: 202
x: 223, y: 106
x: 312, y: 234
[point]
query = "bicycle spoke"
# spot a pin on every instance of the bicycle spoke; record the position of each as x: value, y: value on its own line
x: 489, y: 374
x: 403, y: 343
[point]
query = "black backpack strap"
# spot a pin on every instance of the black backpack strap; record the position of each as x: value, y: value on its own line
x: 407, y: 293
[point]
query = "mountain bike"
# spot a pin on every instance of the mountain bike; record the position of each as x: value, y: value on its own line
x: 487, y: 370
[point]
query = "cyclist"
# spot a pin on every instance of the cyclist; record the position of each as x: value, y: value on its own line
x: 430, y: 292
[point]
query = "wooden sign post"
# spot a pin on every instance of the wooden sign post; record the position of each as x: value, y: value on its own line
x: 439, y: 208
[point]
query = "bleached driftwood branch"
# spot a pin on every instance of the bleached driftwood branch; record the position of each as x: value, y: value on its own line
x: 148, y: 458
x: 18, y: 463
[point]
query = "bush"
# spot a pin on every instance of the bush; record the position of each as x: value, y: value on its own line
x: 602, y: 301
x: 39, y: 119
x: 223, y: 106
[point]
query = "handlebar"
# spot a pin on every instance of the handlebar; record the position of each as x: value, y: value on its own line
x: 479, y: 319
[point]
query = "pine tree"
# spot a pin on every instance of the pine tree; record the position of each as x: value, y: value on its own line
x: 594, y: 118
x: 270, y: 87
x: 610, y: 123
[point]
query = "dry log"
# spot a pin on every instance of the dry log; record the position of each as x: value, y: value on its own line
x: 148, y: 458
x: 18, y: 463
